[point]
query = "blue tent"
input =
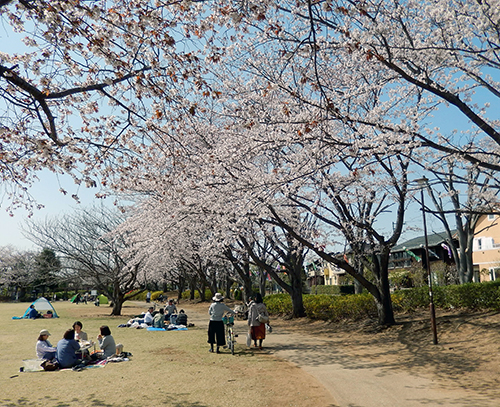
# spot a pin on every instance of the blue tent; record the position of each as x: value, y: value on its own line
x: 42, y: 305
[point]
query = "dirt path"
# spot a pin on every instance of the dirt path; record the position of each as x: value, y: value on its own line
x: 360, y: 376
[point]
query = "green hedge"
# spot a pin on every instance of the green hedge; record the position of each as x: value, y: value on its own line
x: 332, y: 289
x: 141, y: 295
x: 278, y: 304
x: 186, y: 295
x: 473, y: 296
x: 325, y: 307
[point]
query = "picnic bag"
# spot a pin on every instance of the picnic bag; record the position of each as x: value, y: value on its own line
x: 49, y: 366
x: 263, y: 318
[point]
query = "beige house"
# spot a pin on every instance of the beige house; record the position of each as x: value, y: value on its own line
x: 486, y: 248
x: 333, y: 274
x: 323, y: 273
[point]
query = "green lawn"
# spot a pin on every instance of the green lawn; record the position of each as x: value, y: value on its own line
x: 167, y: 368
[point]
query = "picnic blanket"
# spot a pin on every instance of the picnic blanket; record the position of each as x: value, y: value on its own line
x: 169, y: 328
x: 33, y: 365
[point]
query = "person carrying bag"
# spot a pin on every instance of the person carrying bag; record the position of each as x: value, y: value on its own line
x: 258, y: 316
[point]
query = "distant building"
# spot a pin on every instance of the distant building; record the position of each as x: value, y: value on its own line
x: 320, y: 272
x: 486, y: 248
x: 412, y: 251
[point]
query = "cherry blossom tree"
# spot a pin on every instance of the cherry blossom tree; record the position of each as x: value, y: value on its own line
x: 88, y: 85
x: 466, y: 195
x: 17, y: 270
x: 412, y: 61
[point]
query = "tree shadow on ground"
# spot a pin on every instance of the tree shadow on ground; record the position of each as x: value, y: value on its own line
x: 460, y: 356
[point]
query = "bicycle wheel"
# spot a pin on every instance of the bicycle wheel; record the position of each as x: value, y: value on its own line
x: 231, y: 342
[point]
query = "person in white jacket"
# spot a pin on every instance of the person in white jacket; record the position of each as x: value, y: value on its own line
x: 216, y: 311
x: 43, y: 348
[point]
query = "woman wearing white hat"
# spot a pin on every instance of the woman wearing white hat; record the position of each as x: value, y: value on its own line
x: 44, y: 349
x: 216, y: 326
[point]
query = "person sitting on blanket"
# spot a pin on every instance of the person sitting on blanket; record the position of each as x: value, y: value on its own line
x: 171, y: 309
x: 159, y: 319
x: 79, y: 334
x: 148, y: 317
x: 44, y: 349
x: 33, y: 314
x: 182, y: 318
x: 106, y: 342
x: 66, y: 350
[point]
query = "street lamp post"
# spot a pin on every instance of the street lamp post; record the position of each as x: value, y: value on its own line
x: 423, y: 182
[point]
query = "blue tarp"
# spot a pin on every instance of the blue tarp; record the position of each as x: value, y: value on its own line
x: 150, y: 328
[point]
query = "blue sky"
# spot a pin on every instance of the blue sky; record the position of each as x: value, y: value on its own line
x: 47, y: 193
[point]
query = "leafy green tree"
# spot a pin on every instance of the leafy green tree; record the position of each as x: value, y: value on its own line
x: 47, y: 268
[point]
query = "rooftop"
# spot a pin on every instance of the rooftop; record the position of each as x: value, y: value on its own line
x: 434, y: 239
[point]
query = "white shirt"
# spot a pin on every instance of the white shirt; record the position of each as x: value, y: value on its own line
x: 42, y: 347
x: 148, y: 318
x: 217, y: 311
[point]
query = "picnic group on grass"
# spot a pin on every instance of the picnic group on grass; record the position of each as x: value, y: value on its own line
x: 73, y: 350
x: 166, y: 318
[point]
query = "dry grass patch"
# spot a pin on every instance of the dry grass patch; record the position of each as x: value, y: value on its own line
x: 167, y: 368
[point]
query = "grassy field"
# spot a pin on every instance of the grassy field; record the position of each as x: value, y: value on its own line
x: 167, y: 368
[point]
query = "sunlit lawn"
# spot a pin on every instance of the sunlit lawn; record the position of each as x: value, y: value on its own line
x: 167, y: 368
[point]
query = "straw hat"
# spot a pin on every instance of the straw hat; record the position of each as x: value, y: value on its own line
x: 44, y: 332
x: 217, y: 297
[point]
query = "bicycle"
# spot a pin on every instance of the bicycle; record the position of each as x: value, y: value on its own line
x: 230, y: 335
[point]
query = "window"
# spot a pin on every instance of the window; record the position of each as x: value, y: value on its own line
x: 479, y: 244
x: 491, y: 217
x: 494, y: 273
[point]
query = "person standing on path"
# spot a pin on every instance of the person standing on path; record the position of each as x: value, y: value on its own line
x: 216, y: 326
x: 257, y: 328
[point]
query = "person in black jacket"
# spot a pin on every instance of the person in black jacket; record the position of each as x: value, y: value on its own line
x: 182, y: 318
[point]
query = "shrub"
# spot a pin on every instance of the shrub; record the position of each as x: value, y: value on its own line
x: 326, y: 307
x: 476, y: 296
x: 332, y: 289
x: 237, y: 294
x: 138, y: 295
x: 280, y: 304
x: 336, y: 308
x: 187, y: 294
x: 410, y: 300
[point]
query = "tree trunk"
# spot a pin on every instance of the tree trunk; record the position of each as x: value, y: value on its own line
x: 202, y: 286
x: 383, y: 298
x: 117, y: 302
x: 360, y: 268
x: 181, y: 288
x: 383, y: 303
x: 298, y: 309
x: 192, y: 288
x: 229, y: 283
x: 262, y: 281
